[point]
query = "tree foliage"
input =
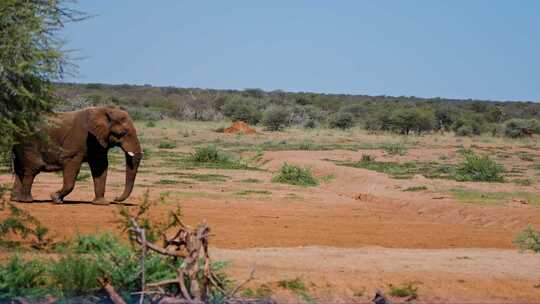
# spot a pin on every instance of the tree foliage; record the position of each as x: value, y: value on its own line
x: 31, y: 59
x: 276, y: 118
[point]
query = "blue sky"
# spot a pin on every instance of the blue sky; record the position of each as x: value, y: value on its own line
x: 487, y: 49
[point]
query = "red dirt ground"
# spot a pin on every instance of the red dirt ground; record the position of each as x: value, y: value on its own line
x: 458, y: 252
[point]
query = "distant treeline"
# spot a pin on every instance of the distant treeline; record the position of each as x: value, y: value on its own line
x: 278, y: 109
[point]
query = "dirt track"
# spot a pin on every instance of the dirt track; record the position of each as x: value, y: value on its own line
x: 423, y: 234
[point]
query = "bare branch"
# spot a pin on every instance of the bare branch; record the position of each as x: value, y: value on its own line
x: 251, y: 277
x: 113, y: 295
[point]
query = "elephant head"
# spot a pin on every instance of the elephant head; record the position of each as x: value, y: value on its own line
x: 113, y: 127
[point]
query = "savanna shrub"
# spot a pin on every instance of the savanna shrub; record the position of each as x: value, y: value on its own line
x: 276, y: 118
x: 75, y: 275
x: 417, y: 120
x: 209, y: 154
x: 294, y: 175
x: 242, y: 109
x: 528, y: 239
x: 464, y: 130
x: 479, y: 168
x: 342, y: 120
x: 516, y: 128
x: 311, y: 124
x: 22, y: 278
x: 469, y: 124
x: 142, y: 113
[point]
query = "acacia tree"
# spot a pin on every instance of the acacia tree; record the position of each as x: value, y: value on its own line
x: 31, y: 59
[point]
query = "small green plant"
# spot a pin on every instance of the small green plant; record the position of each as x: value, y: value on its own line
x: 367, y: 158
x: 404, y: 290
x: 306, y: 145
x: 415, y: 188
x: 298, y: 287
x: 204, y: 177
x: 395, y: 149
x: 163, y: 197
x: 294, y: 175
x: 464, y: 151
x: 150, y: 124
x: 526, y: 156
x: 479, y: 168
x: 211, y: 157
x: 209, y: 154
x: 248, y: 192
x: 528, y: 239
x: 166, y: 144
x: 328, y: 178
x: 167, y: 182
x: 261, y: 292
x: 294, y: 285
x: 147, y: 152
x: 404, y: 170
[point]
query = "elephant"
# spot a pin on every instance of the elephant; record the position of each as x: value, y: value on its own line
x: 70, y: 139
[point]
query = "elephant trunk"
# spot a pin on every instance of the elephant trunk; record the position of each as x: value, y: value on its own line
x: 133, y: 152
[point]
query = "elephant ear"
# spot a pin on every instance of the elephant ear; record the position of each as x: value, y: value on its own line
x: 98, y: 124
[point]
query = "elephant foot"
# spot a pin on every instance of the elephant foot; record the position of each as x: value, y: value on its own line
x: 23, y: 198
x: 56, y: 198
x: 100, y: 201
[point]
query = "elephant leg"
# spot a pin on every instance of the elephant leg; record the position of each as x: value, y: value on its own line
x: 71, y: 169
x: 16, y: 191
x: 99, y: 174
x: 22, y: 188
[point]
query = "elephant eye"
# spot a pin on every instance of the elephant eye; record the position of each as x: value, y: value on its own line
x: 120, y: 134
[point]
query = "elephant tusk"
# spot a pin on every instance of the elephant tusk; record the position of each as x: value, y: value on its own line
x: 131, y: 154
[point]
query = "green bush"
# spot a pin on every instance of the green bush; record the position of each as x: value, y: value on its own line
x: 242, y: 109
x: 479, y: 168
x: 142, y: 113
x: 276, y: 118
x: 516, y: 128
x: 416, y: 120
x: 295, y: 285
x: 96, y: 243
x: 311, y: 124
x: 290, y: 174
x: 76, y: 275
x: 404, y: 290
x: 209, y: 154
x: 465, y: 130
x: 342, y: 120
x: 528, y: 239
x: 82, y: 262
x: 23, y: 278
x: 469, y: 124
